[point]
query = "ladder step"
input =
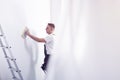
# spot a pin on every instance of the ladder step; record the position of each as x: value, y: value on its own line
x: 5, y: 46
x: 1, y: 35
x: 12, y: 59
x: 14, y: 69
x: 15, y: 78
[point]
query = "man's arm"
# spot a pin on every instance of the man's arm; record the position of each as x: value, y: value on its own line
x: 34, y: 37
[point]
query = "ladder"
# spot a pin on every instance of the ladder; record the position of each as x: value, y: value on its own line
x: 11, y: 61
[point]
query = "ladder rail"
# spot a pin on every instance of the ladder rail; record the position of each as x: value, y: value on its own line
x: 8, y: 58
x: 6, y: 42
x: 13, y: 58
x: 1, y: 30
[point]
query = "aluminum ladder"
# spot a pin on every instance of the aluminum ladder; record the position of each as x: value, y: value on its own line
x: 11, y: 61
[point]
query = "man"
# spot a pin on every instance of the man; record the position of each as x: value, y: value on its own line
x: 49, y: 43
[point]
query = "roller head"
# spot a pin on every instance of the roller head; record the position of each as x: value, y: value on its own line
x: 24, y: 33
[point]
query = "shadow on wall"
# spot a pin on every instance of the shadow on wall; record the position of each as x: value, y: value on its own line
x: 32, y: 50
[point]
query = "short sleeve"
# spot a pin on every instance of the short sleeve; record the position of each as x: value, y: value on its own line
x: 48, y: 39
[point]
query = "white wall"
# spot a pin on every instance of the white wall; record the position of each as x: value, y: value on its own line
x: 101, y: 57
x: 14, y: 16
x: 88, y: 32
x: 95, y: 47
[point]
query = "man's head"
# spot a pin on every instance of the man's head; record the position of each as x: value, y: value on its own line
x: 50, y: 28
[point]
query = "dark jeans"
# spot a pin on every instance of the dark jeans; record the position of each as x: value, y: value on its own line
x: 45, y: 64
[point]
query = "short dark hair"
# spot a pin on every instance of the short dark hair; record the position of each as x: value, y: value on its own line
x: 52, y: 25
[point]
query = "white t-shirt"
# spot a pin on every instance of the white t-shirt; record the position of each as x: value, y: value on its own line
x: 50, y: 43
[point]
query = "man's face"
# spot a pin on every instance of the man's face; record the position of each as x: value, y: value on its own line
x: 48, y: 29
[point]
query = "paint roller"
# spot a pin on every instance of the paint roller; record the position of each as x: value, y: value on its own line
x: 24, y: 33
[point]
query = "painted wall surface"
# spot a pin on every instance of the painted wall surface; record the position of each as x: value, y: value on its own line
x: 97, y: 57
x: 89, y: 32
x: 14, y: 16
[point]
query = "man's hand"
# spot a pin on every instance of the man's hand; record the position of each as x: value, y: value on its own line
x: 27, y: 31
